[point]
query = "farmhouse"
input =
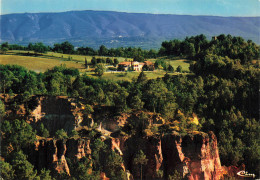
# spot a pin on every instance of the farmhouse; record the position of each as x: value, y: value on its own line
x: 135, y: 66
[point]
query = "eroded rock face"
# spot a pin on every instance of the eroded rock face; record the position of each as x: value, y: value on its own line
x: 77, y: 149
x: 154, y: 156
x: 151, y: 146
x: 52, y: 154
x: 195, y: 156
x: 56, y: 112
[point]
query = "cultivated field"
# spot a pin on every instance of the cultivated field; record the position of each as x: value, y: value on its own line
x: 43, y: 62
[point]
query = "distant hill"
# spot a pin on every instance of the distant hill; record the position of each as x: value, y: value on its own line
x: 114, y: 29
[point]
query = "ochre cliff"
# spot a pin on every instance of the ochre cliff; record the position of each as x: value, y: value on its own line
x: 195, y: 156
x: 51, y: 154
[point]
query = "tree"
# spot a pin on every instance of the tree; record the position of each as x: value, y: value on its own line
x: 6, y: 77
x: 61, y: 134
x: 81, y: 170
x: 100, y: 69
x: 170, y: 68
x: 140, y: 159
x: 120, y: 99
x: 7, y: 171
x: 116, y: 62
x: 136, y: 102
x: 103, y: 51
x: 2, y: 109
x: 114, y: 164
x: 142, y: 77
x: 86, y: 63
x: 4, y: 47
x: 93, y: 61
x: 43, y: 131
x: 39, y: 48
x: 179, y: 69
x: 108, y: 61
x: 98, y: 148
x: 176, y: 176
x: 67, y: 48
x: 18, y: 133
x: 138, y: 58
x: 23, y: 168
x: 45, y: 175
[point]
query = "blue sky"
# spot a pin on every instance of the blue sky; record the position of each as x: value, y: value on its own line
x: 189, y: 7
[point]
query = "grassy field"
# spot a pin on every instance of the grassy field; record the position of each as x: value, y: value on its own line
x: 129, y: 76
x: 37, y: 64
x: 43, y: 62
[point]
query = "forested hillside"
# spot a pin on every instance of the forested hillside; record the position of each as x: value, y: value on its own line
x: 221, y: 95
x: 119, y: 29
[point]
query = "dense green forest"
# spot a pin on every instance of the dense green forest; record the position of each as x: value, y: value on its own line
x: 195, y: 47
x: 223, y: 92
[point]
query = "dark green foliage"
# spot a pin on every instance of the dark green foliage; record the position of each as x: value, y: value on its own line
x: 179, y: 69
x: 4, y: 47
x: 223, y: 92
x: 109, y: 61
x: 138, y: 58
x: 98, y: 149
x: 136, y: 102
x: 40, y: 48
x: 170, y: 68
x: 102, y: 50
x: 116, y: 62
x: 93, y: 61
x: 140, y: 159
x: 6, y: 170
x: 65, y: 48
x: 114, y: 165
x: 18, y: 133
x: 22, y: 167
x: 61, y: 134
x: 45, y: 175
x: 82, y: 169
x: 2, y: 109
x: 100, y: 69
x: 196, y: 47
x: 175, y: 176
x: 141, y: 78
x: 43, y: 131
x: 86, y: 51
x: 160, y: 64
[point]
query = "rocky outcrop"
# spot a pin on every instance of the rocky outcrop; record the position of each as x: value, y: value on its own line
x: 78, y: 148
x: 52, y: 154
x: 56, y: 112
x: 195, y: 156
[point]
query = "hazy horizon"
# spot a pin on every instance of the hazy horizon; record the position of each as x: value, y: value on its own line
x: 225, y: 8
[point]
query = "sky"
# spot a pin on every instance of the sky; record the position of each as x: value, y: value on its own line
x: 187, y: 7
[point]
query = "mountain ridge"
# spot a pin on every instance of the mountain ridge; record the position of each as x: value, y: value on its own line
x: 115, y: 29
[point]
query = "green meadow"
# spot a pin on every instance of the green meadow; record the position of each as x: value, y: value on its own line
x: 43, y: 62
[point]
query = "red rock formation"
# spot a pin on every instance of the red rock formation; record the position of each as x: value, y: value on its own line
x: 154, y: 155
x: 115, y: 145
x: 195, y: 156
x: 78, y: 148
x: 50, y: 154
x: 103, y: 176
